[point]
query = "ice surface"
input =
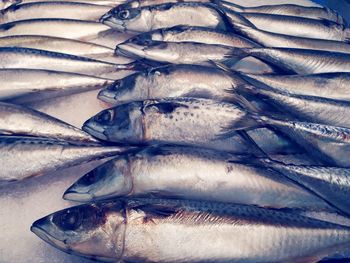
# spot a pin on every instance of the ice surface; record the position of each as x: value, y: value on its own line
x: 22, y: 203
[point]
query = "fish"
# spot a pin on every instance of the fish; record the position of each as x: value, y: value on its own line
x: 314, y: 12
x: 299, y: 61
x: 68, y: 10
x: 189, y: 231
x: 18, y: 57
x: 7, y: 3
x: 173, y: 81
x: 64, y: 45
x: 54, y: 27
x: 150, y: 121
x: 198, y: 35
x: 166, y: 15
x: 303, y: 108
x: 19, y: 120
x: 327, y: 143
x: 326, y: 85
x: 26, y: 157
x: 193, y: 174
x: 111, y: 3
x: 329, y: 183
x: 298, y: 26
x: 176, y: 52
x: 44, y: 84
x: 269, y: 39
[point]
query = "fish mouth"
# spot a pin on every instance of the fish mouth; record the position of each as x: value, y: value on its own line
x: 130, y: 50
x: 94, y: 131
x: 45, y: 236
x: 73, y: 195
x: 109, y: 20
x: 106, y: 96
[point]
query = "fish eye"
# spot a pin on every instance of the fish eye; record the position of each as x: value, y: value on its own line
x: 123, y: 14
x: 116, y: 85
x: 105, y: 116
x: 68, y: 220
x: 89, y: 179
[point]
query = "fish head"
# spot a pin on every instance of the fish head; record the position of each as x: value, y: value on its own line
x: 130, y: 88
x: 123, y: 124
x: 125, y: 18
x: 111, y: 179
x: 142, y: 46
x: 93, y: 231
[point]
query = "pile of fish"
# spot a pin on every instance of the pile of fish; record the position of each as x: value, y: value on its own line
x: 226, y: 125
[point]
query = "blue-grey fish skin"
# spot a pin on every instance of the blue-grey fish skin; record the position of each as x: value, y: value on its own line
x: 162, y: 230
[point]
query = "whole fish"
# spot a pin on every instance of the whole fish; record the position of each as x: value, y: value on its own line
x: 173, y: 81
x: 269, y: 39
x: 63, y: 45
x: 192, y: 174
x: 176, y: 52
x: 150, y: 121
x: 328, y: 143
x: 320, y: 13
x: 19, y: 120
x: 327, y: 85
x: 68, y: 10
x: 330, y: 183
x: 167, y: 15
x: 54, y: 27
x: 199, y: 35
x: 298, y: 26
x: 24, y: 157
x: 300, y: 61
x: 189, y: 231
x: 17, y: 57
x: 305, y: 108
x: 44, y: 84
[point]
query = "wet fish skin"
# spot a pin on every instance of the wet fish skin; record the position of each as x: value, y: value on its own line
x: 326, y: 85
x: 44, y: 84
x: 167, y: 15
x: 68, y: 10
x: 173, y: 81
x: 25, y: 157
x: 19, y: 120
x: 55, y: 27
x: 144, y: 3
x: 301, y: 61
x: 298, y: 26
x: 150, y: 121
x: 188, y: 231
x: 7, y: 3
x: 193, y: 174
x: 175, y: 52
x: 306, y: 108
x: 17, y: 57
x: 199, y: 35
x: 289, y: 10
x: 111, y: 3
x: 269, y: 39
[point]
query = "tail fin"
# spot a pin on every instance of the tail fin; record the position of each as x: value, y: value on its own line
x: 231, y: 6
x: 237, y: 53
x: 236, y: 18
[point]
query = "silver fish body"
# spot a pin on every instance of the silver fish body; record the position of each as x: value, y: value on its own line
x: 54, y: 27
x: 199, y: 35
x: 189, y: 231
x: 269, y: 39
x: 175, y: 52
x: 298, y: 26
x: 192, y: 174
x: 61, y: 45
x: 308, y: 108
x: 302, y: 61
x: 167, y: 15
x: 320, y: 13
x: 18, y: 120
x: 44, y: 84
x: 68, y: 10
x: 110, y: 3
x: 198, y: 122
x: 327, y: 85
x: 173, y: 81
x: 144, y: 3
x: 24, y: 157
x: 16, y: 57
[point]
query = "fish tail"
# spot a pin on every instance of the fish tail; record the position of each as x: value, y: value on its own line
x: 237, y: 53
x: 231, y: 6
